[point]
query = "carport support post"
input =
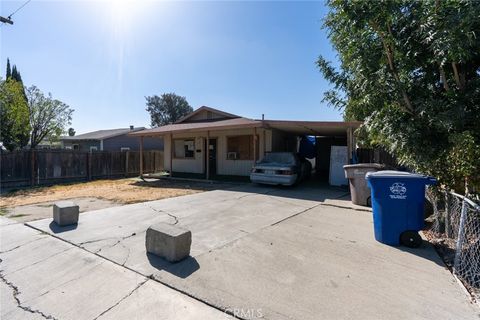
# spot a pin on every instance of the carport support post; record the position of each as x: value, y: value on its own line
x: 141, y: 156
x: 208, y: 156
x: 349, y: 144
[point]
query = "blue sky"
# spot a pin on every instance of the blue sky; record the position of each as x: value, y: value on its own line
x: 102, y: 58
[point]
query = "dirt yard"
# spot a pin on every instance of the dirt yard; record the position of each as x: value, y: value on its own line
x: 35, y: 203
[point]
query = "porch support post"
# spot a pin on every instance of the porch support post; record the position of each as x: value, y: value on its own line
x: 254, y: 144
x: 264, y: 141
x: 208, y: 156
x: 141, y: 156
x: 171, y: 153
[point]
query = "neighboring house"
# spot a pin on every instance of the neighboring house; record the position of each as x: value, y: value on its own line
x: 111, y: 140
x: 234, y: 142
x: 48, y: 144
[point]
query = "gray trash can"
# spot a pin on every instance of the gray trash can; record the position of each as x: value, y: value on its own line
x: 355, y: 173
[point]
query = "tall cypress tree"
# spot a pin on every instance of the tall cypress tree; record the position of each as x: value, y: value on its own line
x: 14, y: 72
x: 19, y: 77
x: 9, y: 70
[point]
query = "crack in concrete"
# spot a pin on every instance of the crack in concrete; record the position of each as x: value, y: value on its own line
x: 123, y: 298
x: 117, y: 242
x: 262, y: 228
x: 16, y: 292
x: 42, y: 260
x: 127, y: 257
x: 175, y: 218
x: 251, y: 194
x: 21, y: 245
x: 294, y: 215
x: 96, y: 240
x: 150, y: 277
x: 278, y: 198
x: 72, y: 280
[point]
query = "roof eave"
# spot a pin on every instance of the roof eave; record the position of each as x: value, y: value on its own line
x: 149, y: 133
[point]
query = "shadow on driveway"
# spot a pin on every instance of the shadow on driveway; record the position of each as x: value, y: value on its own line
x: 181, y: 269
x: 59, y: 229
x: 426, y: 251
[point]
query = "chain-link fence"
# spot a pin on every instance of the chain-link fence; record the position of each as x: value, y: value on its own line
x: 455, y: 231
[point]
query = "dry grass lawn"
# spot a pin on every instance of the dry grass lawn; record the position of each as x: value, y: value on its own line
x: 123, y: 191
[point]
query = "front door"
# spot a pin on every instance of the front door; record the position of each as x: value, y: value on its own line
x: 212, y: 161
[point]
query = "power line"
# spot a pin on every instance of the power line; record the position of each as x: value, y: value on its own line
x: 9, y: 18
x: 23, y: 5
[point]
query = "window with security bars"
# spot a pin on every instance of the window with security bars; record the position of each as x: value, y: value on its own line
x: 241, y: 147
x: 184, y: 148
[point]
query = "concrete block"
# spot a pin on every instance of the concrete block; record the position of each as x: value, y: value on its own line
x: 65, y: 213
x: 168, y: 241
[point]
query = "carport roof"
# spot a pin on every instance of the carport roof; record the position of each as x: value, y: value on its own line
x: 314, y: 128
x: 318, y: 128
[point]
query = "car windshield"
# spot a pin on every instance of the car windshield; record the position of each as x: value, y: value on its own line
x: 279, y: 157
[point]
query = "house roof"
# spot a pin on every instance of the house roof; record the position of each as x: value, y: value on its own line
x: 317, y: 128
x: 205, y: 108
x: 101, y: 134
x: 200, y: 126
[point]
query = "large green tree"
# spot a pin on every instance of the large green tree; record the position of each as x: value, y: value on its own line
x: 167, y: 108
x: 48, y: 117
x: 14, y: 120
x: 411, y: 71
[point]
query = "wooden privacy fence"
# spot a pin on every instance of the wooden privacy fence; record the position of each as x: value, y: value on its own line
x: 376, y: 156
x: 38, y: 167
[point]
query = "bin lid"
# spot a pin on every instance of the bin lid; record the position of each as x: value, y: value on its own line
x: 364, y: 165
x: 394, y: 174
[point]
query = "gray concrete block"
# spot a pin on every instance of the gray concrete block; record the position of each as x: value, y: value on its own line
x: 168, y: 241
x: 65, y: 213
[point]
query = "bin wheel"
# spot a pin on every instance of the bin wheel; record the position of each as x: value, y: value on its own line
x: 411, y: 239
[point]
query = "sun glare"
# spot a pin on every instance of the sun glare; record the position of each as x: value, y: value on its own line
x: 120, y: 19
x: 123, y: 8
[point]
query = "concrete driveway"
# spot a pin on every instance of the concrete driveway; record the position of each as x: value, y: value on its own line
x: 257, y: 252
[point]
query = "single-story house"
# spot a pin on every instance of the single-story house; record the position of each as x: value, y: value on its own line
x: 110, y: 140
x: 232, y: 143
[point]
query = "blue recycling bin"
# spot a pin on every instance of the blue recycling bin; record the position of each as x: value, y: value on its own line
x: 398, y: 200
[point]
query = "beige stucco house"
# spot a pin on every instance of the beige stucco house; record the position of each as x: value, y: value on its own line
x: 231, y: 143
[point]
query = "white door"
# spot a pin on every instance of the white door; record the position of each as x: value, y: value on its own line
x: 338, y: 158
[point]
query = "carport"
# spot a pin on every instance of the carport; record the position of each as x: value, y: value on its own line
x: 326, y: 133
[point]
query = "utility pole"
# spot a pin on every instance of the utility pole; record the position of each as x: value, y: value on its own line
x: 9, y: 18
x: 6, y: 20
